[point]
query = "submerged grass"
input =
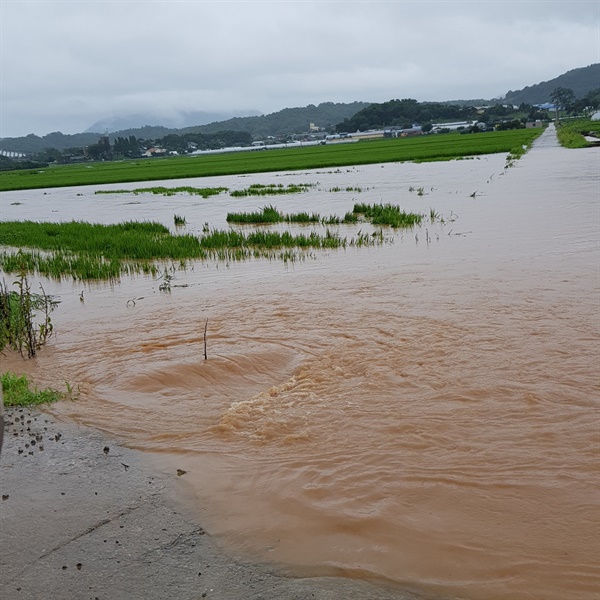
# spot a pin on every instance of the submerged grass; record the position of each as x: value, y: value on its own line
x: 164, y: 191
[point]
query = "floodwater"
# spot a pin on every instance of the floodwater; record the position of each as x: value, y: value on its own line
x: 424, y: 413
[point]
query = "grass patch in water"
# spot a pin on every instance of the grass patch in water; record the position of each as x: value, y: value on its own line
x: 136, y: 240
x: 271, y: 189
x: 270, y: 215
x: 164, y: 191
x: 377, y: 214
x: 571, y: 134
x: 86, y: 251
x: 387, y: 214
x: 18, y: 391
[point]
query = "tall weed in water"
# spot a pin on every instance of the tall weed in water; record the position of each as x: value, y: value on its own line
x: 25, y: 323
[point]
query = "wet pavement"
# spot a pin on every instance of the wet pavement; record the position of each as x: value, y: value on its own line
x: 84, y: 518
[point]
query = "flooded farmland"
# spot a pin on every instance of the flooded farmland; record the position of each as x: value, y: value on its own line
x: 424, y: 412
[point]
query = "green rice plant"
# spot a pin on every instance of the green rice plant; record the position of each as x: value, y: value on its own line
x: 331, y: 220
x: 268, y: 214
x: 418, y: 149
x: 179, y: 220
x: 268, y: 240
x: 303, y: 218
x: 387, y: 214
x: 91, y: 251
x: 17, y: 391
x: 129, y: 240
x: 87, y: 251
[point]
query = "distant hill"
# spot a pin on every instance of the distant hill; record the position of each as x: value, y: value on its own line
x: 30, y: 144
x: 403, y: 113
x: 175, y: 121
x: 289, y: 120
x: 286, y: 121
x: 581, y: 81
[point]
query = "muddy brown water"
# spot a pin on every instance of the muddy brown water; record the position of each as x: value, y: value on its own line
x: 425, y: 412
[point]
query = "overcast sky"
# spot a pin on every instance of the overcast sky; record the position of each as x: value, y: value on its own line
x: 66, y: 64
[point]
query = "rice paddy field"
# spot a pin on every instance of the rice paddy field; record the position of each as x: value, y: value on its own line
x: 418, y: 149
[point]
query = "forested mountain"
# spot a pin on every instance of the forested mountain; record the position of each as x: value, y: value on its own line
x: 581, y: 81
x: 30, y: 144
x: 290, y: 120
x: 283, y: 122
x: 403, y: 113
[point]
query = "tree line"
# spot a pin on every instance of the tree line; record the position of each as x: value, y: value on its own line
x: 129, y: 147
x: 404, y: 113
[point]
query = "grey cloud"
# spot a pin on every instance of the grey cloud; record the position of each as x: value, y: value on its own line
x: 65, y: 65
